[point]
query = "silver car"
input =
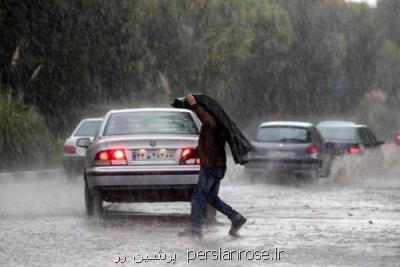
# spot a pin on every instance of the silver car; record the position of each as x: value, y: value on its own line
x: 289, y: 148
x: 142, y: 155
x: 74, y: 156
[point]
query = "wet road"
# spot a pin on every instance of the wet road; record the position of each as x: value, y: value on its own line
x: 336, y: 222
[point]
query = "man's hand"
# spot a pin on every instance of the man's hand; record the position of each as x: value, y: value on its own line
x: 191, y: 100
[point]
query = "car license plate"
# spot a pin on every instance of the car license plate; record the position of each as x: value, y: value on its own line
x: 152, y: 154
x: 280, y: 154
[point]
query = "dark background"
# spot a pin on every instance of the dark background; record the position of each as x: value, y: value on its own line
x: 262, y: 59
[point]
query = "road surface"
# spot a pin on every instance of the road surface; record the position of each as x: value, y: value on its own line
x: 339, y: 221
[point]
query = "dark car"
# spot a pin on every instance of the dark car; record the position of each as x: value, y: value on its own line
x: 289, y: 148
x: 348, y: 137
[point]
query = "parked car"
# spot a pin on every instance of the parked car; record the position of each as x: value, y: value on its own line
x: 289, y: 147
x: 142, y: 155
x: 348, y: 137
x: 74, y: 156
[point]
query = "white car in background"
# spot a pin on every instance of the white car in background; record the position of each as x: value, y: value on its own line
x: 74, y: 156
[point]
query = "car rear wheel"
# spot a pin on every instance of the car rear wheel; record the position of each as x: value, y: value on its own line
x: 69, y: 170
x: 69, y: 173
x: 71, y: 177
x: 93, y: 202
x: 325, y: 168
x: 311, y: 176
x: 314, y: 175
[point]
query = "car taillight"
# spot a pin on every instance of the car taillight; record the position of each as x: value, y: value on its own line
x: 398, y: 137
x: 313, y: 149
x: 353, y: 150
x: 110, y: 157
x: 189, y: 156
x: 69, y: 149
x: 187, y: 153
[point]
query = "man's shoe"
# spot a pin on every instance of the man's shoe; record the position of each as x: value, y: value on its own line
x: 191, y: 233
x: 237, y: 221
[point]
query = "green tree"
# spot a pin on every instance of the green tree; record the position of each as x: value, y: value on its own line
x: 24, y: 139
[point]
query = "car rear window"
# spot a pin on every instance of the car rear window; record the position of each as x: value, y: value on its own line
x: 88, y: 128
x: 153, y: 122
x: 338, y: 133
x: 283, y: 134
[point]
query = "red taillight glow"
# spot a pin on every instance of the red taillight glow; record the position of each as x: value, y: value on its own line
x: 189, y: 154
x: 313, y: 149
x: 110, y: 157
x: 69, y: 149
x: 398, y: 137
x: 119, y: 154
x: 353, y: 150
x: 103, y: 155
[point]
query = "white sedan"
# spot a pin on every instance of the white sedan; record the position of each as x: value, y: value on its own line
x: 74, y: 156
x: 142, y: 155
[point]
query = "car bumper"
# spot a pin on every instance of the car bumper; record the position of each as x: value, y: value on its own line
x: 282, y: 166
x: 149, y: 183
x: 73, y: 164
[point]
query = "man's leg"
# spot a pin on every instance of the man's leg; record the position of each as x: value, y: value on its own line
x: 213, y: 197
x: 237, y: 219
x: 199, y: 199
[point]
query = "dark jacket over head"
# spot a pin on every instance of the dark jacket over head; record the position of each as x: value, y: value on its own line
x: 211, y: 149
x: 238, y: 143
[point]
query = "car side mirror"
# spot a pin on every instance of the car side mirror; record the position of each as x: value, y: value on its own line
x: 83, y: 142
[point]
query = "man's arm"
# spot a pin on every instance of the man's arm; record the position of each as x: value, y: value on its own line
x: 205, y: 117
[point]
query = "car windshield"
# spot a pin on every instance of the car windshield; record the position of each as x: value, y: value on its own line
x: 153, y: 122
x: 283, y: 134
x: 88, y: 128
x: 338, y: 133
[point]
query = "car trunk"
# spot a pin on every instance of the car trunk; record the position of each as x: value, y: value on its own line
x: 280, y: 150
x: 143, y: 150
x: 341, y: 146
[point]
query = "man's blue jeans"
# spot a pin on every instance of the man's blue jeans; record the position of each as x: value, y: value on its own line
x: 207, y: 191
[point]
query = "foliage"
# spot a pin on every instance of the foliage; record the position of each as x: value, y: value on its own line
x: 374, y: 110
x: 24, y: 139
x: 261, y: 58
